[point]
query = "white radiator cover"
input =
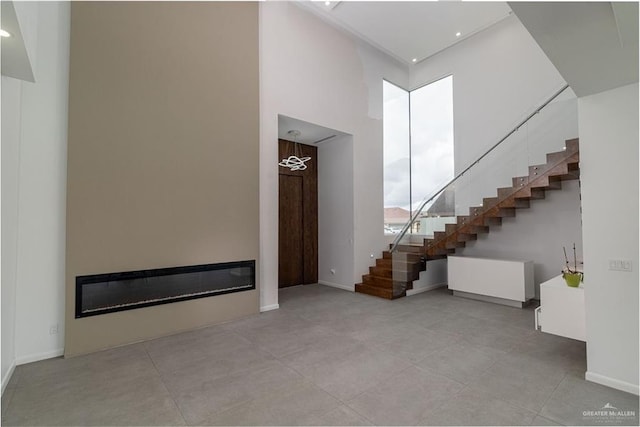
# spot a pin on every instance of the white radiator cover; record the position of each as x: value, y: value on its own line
x: 502, y: 279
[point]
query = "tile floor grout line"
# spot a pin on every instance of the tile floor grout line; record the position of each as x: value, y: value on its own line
x: 250, y: 399
x: 310, y: 380
x: 303, y: 378
x: 378, y: 383
x: 354, y: 397
x: 357, y: 412
x: 434, y: 372
x: 12, y: 391
x: 253, y: 399
x: 164, y: 385
x: 496, y: 396
x: 566, y: 374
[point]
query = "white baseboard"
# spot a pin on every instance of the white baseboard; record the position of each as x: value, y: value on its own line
x: 613, y: 383
x: 493, y: 300
x: 350, y: 288
x: 8, y: 375
x: 40, y: 356
x: 421, y: 289
x: 269, y: 307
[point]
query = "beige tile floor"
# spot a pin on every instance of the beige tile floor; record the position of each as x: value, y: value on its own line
x: 328, y: 357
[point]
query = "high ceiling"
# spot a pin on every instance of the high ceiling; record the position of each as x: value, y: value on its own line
x: 410, y: 30
x: 594, y: 45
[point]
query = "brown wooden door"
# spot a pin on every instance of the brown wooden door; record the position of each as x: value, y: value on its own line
x: 298, y: 219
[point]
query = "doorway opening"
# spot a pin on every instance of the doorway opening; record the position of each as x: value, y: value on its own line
x: 315, y: 205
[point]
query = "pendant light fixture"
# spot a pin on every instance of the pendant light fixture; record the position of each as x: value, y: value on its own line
x: 295, y: 162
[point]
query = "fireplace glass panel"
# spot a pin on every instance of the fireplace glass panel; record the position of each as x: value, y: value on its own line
x: 106, y: 293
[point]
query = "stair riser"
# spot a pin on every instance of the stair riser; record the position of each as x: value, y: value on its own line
x: 396, y: 274
x: 405, y: 266
x: 471, y: 227
x: 545, y: 183
x: 455, y: 245
x: 383, y: 282
x: 414, y: 268
x: 466, y: 237
x: 507, y: 200
x: 376, y: 292
x: 402, y: 256
x: 396, y: 288
x: 410, y: 249
x: 481, y: 212
x: 528, y: 193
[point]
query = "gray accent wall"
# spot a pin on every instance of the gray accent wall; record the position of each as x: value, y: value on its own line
x: 163, y: 155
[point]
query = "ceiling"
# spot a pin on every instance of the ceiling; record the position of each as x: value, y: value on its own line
x: 594, y: 45
x: 413, y: 29
x: 403, y: 30
x: 310, y: 133
x: 15, y: 60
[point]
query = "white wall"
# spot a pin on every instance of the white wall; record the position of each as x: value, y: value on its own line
x: 313, y: 72
x: 609, y: 161
x: 335, y: 213
x: 435, y: 276
x: 35, y: 172
x: 10, y: 92
x: 41, y: 247
x: 499, y: 77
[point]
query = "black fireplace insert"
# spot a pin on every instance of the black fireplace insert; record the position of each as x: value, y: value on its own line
x: 111, y: 292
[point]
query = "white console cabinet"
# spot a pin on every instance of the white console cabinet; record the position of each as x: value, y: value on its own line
x: 495, y: 280
x: 561, y: 310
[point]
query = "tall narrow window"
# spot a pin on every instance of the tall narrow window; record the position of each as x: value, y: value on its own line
x: 432, y: 165
x: 397, y: 179
x: 418, y: 154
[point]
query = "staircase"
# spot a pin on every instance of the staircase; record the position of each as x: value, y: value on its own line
x: 393, y: 276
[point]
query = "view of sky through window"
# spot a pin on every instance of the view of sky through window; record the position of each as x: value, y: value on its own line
x: 396, y: 146
x: 418, y: 147
x: 431, y: 139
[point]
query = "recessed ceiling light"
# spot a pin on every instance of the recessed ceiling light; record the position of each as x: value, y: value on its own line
x: 414, y: 60
x: 458, y: 34
x: 4, y: 33
x: 331, y: 4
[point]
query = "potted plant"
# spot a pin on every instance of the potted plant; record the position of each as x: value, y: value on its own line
x: 573, y: 277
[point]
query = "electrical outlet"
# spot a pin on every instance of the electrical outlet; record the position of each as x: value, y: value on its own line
x: 53, y: 329
x: 620, y: 265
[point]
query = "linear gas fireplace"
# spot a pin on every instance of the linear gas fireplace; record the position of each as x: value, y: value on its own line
x: 107, y: 293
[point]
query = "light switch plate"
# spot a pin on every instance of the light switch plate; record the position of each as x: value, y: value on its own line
x: 620, y: 265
